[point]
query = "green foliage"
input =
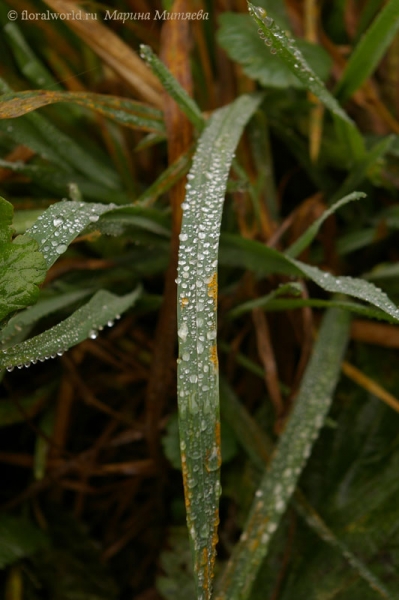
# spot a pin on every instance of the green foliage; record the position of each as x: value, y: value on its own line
x: 22, y: 266
x: 90, y: 432
x: 18, y: 538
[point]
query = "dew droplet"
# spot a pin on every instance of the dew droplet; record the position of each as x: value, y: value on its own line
x: 61, y: 249
x: 93, y: 334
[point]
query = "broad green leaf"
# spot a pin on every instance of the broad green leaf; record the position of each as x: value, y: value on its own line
x: 237, y: 251
x: 173, y: 87
x: 236, y: 36
x: 22, y: 266
x: 177, y: 581
x: 293, y: 449
x: 86, y: 322
x: 287, y: 50
x: 122, y: 110
x: 18, y: 538
x: 308, y: 236
x: 370, y: 50
x: 198, y: 387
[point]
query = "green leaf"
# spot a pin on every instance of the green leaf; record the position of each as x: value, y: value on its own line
x: 86, y: 322
x: 22, y: 266
x: 293, y: 58
x: 121, y: 110
x: 370, y: 50
x: 293, y: 449
x: 173, y: 87
x: 198, y: 387
x: 236, y: 36
x: 237, y: 251
x: 23, y: 321
x: 308, y: 236
x: 18, y: 538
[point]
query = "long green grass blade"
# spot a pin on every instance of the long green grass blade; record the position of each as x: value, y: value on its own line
x: 237, y: 251
x: 173, y: 87
x: 198, y: 386
x: 369, y: 50
x: 294, y: 447
x: 293, y: 58
x: 86, y: 322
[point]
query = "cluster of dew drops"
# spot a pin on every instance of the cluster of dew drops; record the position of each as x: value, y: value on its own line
x: 63, y: 226
x: 198, y: 257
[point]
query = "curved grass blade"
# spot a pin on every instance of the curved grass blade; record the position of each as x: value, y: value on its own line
x: 290, y: 457
x: 173, y: 87
x: 84, y: 323
x: 122, y: 110
x: 369, y: 50
x: 286, y: 49
x: 23, y: 321
x: 62, y: 222
x: 198, y: 387
x: 306, y: 238
x: 252, y: 255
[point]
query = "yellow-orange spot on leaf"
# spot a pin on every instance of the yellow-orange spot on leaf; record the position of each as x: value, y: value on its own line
x: 185, y: 480
x: 213, y: 288
x: 184, y: 302
x: 214, y: 356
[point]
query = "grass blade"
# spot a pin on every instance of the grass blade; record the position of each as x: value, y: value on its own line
x: 259, y: 449
x: 286, y: 49
x: 237, y: 251
x: 85, y: 322
x: 173, y: 87
x: 293, y: 450
x: 124, y: 111
x: 369, y: 50
x: 306, y: 238
x: 198, y: 386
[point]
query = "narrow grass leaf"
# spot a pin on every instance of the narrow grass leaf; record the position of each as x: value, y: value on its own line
x: 252, y: 255
x: 86, y: 322
x: 370, y: 50
x: 293, y: 449
x: 61, y: 223
x: 285, y: 289
x: 259, y: 449
x: 173, y: 87
x: 292, y: 57
x: 198, y: 387
x: 129, y: 113
x: 272, y: 304
x: 236, y: 36
x: 23, y: 321
x: 308, y: 236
